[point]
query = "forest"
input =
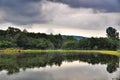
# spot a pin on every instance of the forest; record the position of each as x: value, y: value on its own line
x: 16, y: 38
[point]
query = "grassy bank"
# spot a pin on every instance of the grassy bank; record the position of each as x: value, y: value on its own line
x: 117, y: 53
x: 83, y: 51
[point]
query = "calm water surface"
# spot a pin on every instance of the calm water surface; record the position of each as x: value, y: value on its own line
x: 59, y: 66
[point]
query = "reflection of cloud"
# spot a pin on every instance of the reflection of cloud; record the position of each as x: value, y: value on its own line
x: 118, y: 75
x: 74, y: 72
x: 76, y: 63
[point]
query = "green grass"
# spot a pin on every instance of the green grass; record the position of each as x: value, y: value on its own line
x: 117, y: 53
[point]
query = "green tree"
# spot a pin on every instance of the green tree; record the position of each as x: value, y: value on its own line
x: 7, y: 44
x: 71, y: 44
x: 12, y: 31
x: 112, y: 33
x: 43, y: 44
x: 22, y: 40
x: 57, y: 40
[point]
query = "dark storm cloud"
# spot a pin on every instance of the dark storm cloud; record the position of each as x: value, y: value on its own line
x: 102, y: 5
x: 60, y: 12
x: 21, y: 11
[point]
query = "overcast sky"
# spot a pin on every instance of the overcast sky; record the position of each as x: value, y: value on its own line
x: 71, y: 17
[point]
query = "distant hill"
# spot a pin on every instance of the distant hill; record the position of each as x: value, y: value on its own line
x: 76, y: 37
x: 79, y: 37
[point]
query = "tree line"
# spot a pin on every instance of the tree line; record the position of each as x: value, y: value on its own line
x: 111, y: 42
x: 15, y: 38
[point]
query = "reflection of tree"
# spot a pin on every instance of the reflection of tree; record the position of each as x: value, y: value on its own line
x: 13, y: 63
x: 111, y: 67
x: 56, y: 59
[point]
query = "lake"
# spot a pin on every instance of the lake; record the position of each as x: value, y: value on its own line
x: 59, y: 66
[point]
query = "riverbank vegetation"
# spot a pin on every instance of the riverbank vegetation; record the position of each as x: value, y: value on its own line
x: 16, y: 38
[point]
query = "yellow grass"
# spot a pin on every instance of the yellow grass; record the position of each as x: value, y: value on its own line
x: 94, y: 51
x: 117, y: 53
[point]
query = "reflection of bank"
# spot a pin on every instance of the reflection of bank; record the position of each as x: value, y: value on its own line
x: 13, y: 63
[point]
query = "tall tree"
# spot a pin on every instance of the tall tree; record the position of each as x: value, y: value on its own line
x: 22, y: 40
x: 112, y: 33
x: 13, y: 30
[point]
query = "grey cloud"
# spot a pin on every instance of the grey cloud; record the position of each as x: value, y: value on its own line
x: 102, y: 5
x: 80, y: 18
x: 22, y: 11
x: 50, y: 30
x: 64, y: 13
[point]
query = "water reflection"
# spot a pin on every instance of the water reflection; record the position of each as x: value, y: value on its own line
x: 14, y: 62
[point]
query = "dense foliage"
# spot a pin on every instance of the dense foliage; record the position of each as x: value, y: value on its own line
x: 112, y: 33
x: 111, y: 42
x: 15, y: 38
